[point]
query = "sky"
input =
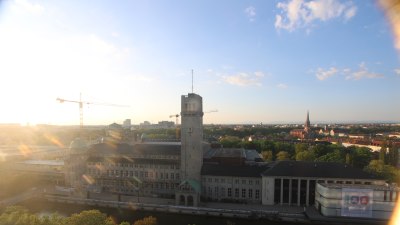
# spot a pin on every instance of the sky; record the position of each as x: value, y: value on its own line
x: 253, y: 61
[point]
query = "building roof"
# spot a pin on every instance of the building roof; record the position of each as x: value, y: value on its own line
x: 140, y: 149
x: 193, y: 183
x: 361, y: 186
x: 317, y: 169
x: 124, y: 159
x: 233, y: 171
x: 43, y: 162
x: 253, y: 155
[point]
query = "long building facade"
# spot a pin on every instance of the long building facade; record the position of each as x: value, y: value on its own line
x: 191, y: 172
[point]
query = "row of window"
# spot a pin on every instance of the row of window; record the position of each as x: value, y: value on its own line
x: 139, y: 174
x: 221, y: 192
x: 236, y: 181
x: 391, y: 196
x: 134, y: 186
x: 131, y: 165
x: 344, y: 182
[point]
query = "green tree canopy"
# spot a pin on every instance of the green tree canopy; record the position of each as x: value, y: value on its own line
x: 361, y: 156
x: 17, y: 215
x: 267, y: 156
x: 124, y: 223
x: 282, y: 155
x: 307, y: 155
x: 230, y: 142
x: 389, y: 173
x: 336, y: 156
x: 300, y: 147
x: 89, y: 217
x: 150, y: 220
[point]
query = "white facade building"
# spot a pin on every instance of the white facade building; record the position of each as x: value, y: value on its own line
x: 361, y: 201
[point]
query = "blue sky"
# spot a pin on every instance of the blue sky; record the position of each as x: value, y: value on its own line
x: 253, y: 61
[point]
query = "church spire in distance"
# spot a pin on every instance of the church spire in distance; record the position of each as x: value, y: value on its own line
x: 307, y: 124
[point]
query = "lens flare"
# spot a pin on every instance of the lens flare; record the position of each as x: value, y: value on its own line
x: 2, y: 156
x: 395, y: 219
x: 100, y: 167
x: 54, y: 140
x: 88, y: 179
x: 25, y: 150
x: 391, y: 8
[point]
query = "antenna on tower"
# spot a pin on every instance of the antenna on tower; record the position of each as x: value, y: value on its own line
x: 192, y: 81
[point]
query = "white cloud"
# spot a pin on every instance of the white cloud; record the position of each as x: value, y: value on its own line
x: 347, y: 70
x: 24, y: 5
x: 302, y: 14
x: 259, y: 74
x: 322, y: 74
x: 244, y: 79
x: 251, y: 13
x: 282, y: 86
x: 362, y: 73
x: 397, y: 71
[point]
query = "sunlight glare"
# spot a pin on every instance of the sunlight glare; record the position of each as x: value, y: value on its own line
x: 3, y: 156
x: 88, y: 179
x: 54, y: 140
x: 25, y: 150
x: 395, y: 219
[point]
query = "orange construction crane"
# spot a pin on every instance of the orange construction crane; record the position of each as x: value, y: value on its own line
x: 81, y: 103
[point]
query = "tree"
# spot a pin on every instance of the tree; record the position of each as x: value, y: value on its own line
x: 389, y: 173
x: 269, y: 146
x: 89, y: 217
x: 361, y: 157
x: 267, y: 156
x: 382, y: 154
x: 257, y: 145
x: 320, y: 150
x: 124, y: 223
x: 230, y: 142
x: 282, y: 155
x: 393, y: 156
x: 305, y: 156
x: 300, y: 147
x: 21, y: 216
x: 146, y: 221
x: 18, y: 215
x: 289, y: 148
x: 335, y: 156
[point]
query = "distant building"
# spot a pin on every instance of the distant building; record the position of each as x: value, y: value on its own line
x: 127, y: 124
x: 145, y: 125
x: 159, y: 125
x: 50, y: 170
x: 165, y: 124
x: 306, y: 132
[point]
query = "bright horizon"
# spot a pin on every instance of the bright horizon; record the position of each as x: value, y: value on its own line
x: 253, y: 61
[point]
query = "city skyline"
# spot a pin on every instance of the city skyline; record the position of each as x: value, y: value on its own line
x: 253, y: 61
